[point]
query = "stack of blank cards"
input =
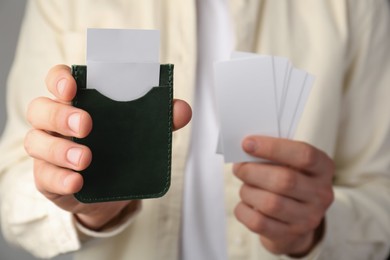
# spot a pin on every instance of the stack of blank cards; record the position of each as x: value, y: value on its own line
x: 257, y: 95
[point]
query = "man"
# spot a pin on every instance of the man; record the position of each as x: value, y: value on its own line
x: 283, y: 207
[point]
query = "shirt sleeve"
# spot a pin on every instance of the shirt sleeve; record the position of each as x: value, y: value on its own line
x: 358, y: 222
x: 32, y: 222
x: 28, y: 219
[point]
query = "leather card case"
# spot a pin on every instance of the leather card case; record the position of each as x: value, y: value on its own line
x: 130, y: 141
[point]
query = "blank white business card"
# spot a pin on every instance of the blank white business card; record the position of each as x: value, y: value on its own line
x: 257, y: 95
x: 123, y: 64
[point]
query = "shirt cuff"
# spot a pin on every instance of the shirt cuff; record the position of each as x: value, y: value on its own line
x: 31, y: 221
x: 114, y: 227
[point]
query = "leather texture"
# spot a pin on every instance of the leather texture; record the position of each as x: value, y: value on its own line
x: 130, y: 142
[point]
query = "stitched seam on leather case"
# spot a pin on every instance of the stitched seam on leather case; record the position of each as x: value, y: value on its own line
x: 170, y: 83
x: 75, y: 73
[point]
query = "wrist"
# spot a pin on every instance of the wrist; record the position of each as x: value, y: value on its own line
x: 99, y: 220
x: 113, y: 227
x: 96, y: 222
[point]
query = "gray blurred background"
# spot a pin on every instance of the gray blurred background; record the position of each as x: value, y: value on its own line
x: 11, y: 14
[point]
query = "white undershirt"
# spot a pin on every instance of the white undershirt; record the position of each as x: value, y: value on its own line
x: 203, y: 224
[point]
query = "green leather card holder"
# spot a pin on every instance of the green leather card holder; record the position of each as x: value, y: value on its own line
x: 130, y: 141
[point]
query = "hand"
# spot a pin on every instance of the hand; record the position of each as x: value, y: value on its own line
x: 285, y: 201
x: 57, y: 158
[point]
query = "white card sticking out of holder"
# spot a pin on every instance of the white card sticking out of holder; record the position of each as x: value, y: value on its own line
x: 123, y: 64
x: 257, y: 95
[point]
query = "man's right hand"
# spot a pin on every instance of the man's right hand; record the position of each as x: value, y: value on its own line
x: 57, y: 158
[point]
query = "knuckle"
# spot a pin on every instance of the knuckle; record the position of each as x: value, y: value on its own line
x: 31, y: 109
x: 29, y: 113
x: 52, y: 150
x: 242, y: 192
x: 287, y: 181
x: 27, y: 141
x: 238, y: 211
x: 273, y: 151
x: 273, y: 205
x: 257, y: 224
x: 55, y: 116
x: 241, y: 170
x: 327, y: 196
x: 56, y: 151
x: 309, y: 156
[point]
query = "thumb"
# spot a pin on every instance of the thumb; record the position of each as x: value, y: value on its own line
x: 182, y: 114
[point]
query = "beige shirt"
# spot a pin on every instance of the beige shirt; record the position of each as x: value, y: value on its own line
x: 343, y: 42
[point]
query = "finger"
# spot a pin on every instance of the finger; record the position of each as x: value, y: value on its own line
x: 58, y: 151
x: 259, y: 223
x: 60, y: 82
x: 46, y: 114
x: 278, y: 179
x: 296, y: 154
x: 276, y: 235
x: 275, y: 206
x: 182, y: 114
x: 55, y: 182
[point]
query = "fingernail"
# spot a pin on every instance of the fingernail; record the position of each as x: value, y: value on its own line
x: 249, y: 146
x: 74, y: 122
x: 73, y: 155
x: 61, y: 86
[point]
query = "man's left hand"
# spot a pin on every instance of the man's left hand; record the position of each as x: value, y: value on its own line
x: 285, y: 200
